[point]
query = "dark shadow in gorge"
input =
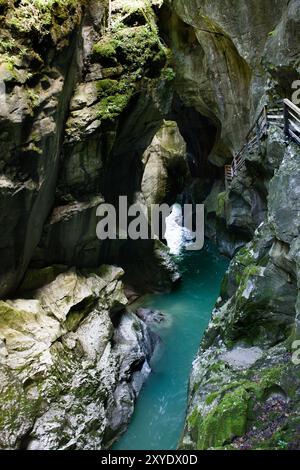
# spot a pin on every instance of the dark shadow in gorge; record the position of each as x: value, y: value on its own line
x: 200, y: 134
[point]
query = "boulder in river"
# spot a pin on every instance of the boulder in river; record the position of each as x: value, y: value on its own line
x: 151, y: 316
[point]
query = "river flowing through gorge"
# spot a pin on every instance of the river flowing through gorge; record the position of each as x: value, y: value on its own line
x: 161, y: 407
x: 110, y: 110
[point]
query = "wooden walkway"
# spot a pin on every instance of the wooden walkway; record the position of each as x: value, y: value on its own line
x: 285, y: 115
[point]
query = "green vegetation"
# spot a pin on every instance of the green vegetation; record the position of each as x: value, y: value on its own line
x: 221, y: 204
x: 135, y: 52
x: 42, y: 15
x: 230, y: 410
x: 226, y: 421
x: 25, y: 24
x: 105, y: 51
x: 169, y: 74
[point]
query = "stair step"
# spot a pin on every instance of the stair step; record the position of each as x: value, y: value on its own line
x: 270, y: 116
x: 275, y: 117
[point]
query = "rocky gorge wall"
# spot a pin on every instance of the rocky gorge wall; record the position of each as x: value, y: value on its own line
x: 230, y: 59
x: 70, y: 373
x: 147, y: 103
x: 65, y: 145
x: 244, y: 387
x: 83, y: 97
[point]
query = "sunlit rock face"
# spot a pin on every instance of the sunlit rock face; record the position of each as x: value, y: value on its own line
x: 165, y: 165
x: 82, y: 104
x: 69, y: 377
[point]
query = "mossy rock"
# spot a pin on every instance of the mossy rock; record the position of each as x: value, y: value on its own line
x: 107, y: 87
x: 30, y: 28
x: 37, y: 278
x: 105, y: 52
x: 112, y: 106
x: 221, y: 205
x: 130, y: 55
x: 43, y: 16
x: 226, y: 421
x: 231, y: 410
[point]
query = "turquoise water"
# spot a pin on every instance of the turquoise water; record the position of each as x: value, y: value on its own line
x: 160, y: 411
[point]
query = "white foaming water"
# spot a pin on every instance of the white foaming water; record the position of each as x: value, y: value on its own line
x: 176, y: 235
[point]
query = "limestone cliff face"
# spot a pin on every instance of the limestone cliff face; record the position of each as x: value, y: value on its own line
x: 39, y: 66
x: 82, y: 102
x: 165, y: 167
x: 82, y: 96
x: 72, y: 361
x: 94, y: 106
x: 244, y: 389
x: 230, y: 58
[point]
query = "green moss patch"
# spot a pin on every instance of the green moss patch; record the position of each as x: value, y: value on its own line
x: 105, y: 52
x: 36, y: 278
x: 226, y: 421
x: 232, y: 410
x: 221, y: 204
x: 44, y: 16
x: 27, y: 23
x: 136, y: 53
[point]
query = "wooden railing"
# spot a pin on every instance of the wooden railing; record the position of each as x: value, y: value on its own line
x: 291, y: 121
x: 285, y: 115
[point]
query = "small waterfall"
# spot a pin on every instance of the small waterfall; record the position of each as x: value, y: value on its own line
x: 177, y: 236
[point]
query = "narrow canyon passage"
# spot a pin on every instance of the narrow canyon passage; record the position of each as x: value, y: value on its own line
x: 160, y: 411
x: 112, y: 113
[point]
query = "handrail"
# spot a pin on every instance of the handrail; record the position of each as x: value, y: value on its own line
x: 291, y: 121
x: 285, y: 114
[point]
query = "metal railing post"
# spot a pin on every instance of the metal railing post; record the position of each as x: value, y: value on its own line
x: 286, y: 120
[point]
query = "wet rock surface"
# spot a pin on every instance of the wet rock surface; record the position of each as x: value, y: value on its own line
x: 151, y: 316
x: 242, y: 358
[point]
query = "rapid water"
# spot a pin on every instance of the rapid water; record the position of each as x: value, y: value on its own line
x: 160, y: 411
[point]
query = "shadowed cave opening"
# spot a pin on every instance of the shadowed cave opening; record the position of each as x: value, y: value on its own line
x: 200, y: 135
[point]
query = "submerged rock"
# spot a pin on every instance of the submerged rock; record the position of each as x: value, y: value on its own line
x: 151, y: 316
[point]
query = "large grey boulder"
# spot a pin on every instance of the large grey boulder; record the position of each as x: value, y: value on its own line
x: 69, y: 377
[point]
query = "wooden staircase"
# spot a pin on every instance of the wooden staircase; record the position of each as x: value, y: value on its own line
x: 283, y: 114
